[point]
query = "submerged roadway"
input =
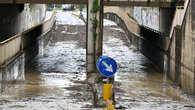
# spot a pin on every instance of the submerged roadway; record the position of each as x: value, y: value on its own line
x: 56, y: 78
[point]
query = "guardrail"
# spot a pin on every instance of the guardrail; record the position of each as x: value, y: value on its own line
x: 12, y: 46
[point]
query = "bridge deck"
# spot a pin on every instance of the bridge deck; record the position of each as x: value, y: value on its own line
x: 145, y: 3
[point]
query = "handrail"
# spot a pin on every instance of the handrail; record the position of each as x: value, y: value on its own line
x: 53, y: 15
x: 174, y: 22
x: 12, y: 46
x: 26, y: 31
x: 47, y: 24
x: 131, y: 24
x: 9, y: 39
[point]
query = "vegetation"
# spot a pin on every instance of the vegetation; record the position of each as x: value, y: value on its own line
x: 96, y: 6
x: 95, y: 24
x: 94, y: 10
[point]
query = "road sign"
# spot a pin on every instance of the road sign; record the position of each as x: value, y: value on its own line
x: 106, y: 66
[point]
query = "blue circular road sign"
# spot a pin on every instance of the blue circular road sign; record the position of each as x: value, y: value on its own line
x: 106, y: 66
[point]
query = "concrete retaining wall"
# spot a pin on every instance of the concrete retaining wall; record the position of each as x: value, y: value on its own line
x: 148, y: 16
x: 176, y: 58
x: 182, y: 59
x: 150, y: 47
x: 130, y: 24
x: 18, y: 18
x: 30, y: 48
x: 14, y: 70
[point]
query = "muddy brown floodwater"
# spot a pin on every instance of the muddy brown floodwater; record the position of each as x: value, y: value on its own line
x: 56, y: 79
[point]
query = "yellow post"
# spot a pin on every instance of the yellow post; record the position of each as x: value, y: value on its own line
x: 107, y: 91
x: 109, y: 105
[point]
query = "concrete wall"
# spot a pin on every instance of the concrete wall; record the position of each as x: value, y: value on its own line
x: 175, y: 56
x: 182, y: 59
x: 14, y: 70
x: 152, y: 46
x: 148, y: 16
x: 31, y: 44
x: 156, y: 18
x: 187, y: 59
x: 179, y: 60
x: 34, y: 42
x: 15, y: 19
x: 131, y: 24
x: 129, y: 10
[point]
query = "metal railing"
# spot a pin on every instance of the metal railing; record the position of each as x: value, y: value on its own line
x: 12, y: 46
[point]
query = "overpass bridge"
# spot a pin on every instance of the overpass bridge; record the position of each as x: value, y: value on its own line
x: 144, y: 3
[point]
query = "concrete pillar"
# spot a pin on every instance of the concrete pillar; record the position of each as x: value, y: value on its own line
x: 94, y: 49
x: 178, y: 54
x: 99, y: 39
x: 94, y: 43
x: 193, y: 37
x: 90, y: 40
x: 184, y: 51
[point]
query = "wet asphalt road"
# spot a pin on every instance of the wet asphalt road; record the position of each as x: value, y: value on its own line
x: 56, y: 79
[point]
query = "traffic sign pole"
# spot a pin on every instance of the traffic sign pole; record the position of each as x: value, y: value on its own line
x: 107, y: 67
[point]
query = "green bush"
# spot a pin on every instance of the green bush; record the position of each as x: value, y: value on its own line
x: 96, y: 6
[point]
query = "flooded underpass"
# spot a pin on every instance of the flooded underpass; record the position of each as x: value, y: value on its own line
x: 56, y: 78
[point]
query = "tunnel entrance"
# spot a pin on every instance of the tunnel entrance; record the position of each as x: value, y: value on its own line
x: 56, y: 77
x: 68, y: 38
x: 137, y: 83
x: 58, y: 72
x: 60, y: 66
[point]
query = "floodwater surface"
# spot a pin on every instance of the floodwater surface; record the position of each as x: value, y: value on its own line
x: 56, y: 78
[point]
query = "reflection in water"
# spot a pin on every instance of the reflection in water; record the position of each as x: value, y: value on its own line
x: 12, y: 72
x: 165, y: 72
x: 41, y: 47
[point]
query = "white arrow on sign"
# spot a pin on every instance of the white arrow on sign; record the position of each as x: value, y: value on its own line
x: 108, y: 67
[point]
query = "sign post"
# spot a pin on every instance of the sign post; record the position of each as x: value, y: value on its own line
x: 107, y: 67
